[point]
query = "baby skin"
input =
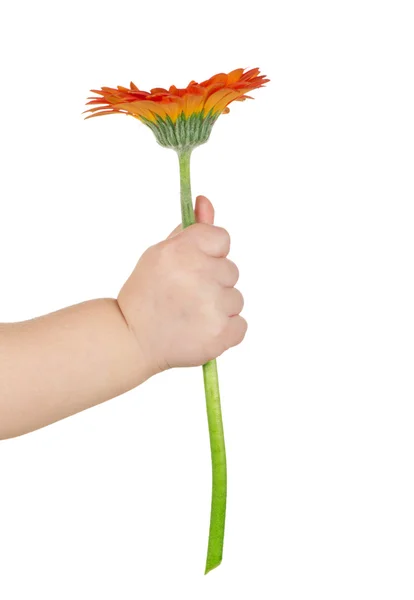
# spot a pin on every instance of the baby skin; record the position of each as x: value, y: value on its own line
x: 178, y: 308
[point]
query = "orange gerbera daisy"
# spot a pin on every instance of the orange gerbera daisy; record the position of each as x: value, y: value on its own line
x: 181, y: 118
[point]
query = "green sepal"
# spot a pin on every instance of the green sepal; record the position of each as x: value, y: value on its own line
x: 186, y: 133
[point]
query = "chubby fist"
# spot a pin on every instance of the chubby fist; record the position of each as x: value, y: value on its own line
x: 180, y: 301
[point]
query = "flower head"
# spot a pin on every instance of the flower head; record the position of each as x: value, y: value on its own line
x: 180, y: 118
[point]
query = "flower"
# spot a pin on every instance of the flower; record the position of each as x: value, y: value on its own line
x: 181, y: 118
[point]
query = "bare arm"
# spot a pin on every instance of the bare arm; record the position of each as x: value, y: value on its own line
x: 64, y: 362
x: 178, y: 308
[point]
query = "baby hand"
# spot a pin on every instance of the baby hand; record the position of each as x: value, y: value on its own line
x: 180, y: 301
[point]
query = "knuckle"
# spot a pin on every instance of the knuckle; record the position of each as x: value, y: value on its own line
x: 224, y: 236
x: 241, y: 299
x: 243, y: 328
x: 234, y: 272
x: 179, y: 245
x: 198, y: 233
x: 239, y: 331
x: 154, y: 253
x: 230, y: 273
x: 165, y: 252
x: 164, y: 247
x: 171, y: 254
x: 199, y: 229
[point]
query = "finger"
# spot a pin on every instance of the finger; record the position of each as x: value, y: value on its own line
x: 204, y: 210
x: 212, y: 240
x: 235, y: 331
x: 232, y: 301
x: 224, y: 271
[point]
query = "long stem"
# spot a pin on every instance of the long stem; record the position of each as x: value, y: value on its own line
x: 215, y: 422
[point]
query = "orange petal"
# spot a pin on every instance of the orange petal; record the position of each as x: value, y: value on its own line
x: 234, y: 76
x: 192, y: 104
x: 220, y: 99
x: 108, y: 112
x: 250, y: 74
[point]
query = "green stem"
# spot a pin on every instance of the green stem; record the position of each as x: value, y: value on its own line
x: 187, y: 212
x: 215, y: 422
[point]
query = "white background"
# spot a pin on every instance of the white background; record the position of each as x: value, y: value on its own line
x: 314, y: 181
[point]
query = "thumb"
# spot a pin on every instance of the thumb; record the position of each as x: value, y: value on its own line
x: 203, y: 211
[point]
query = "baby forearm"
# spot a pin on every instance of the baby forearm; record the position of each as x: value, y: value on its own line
x: 64, y: 362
